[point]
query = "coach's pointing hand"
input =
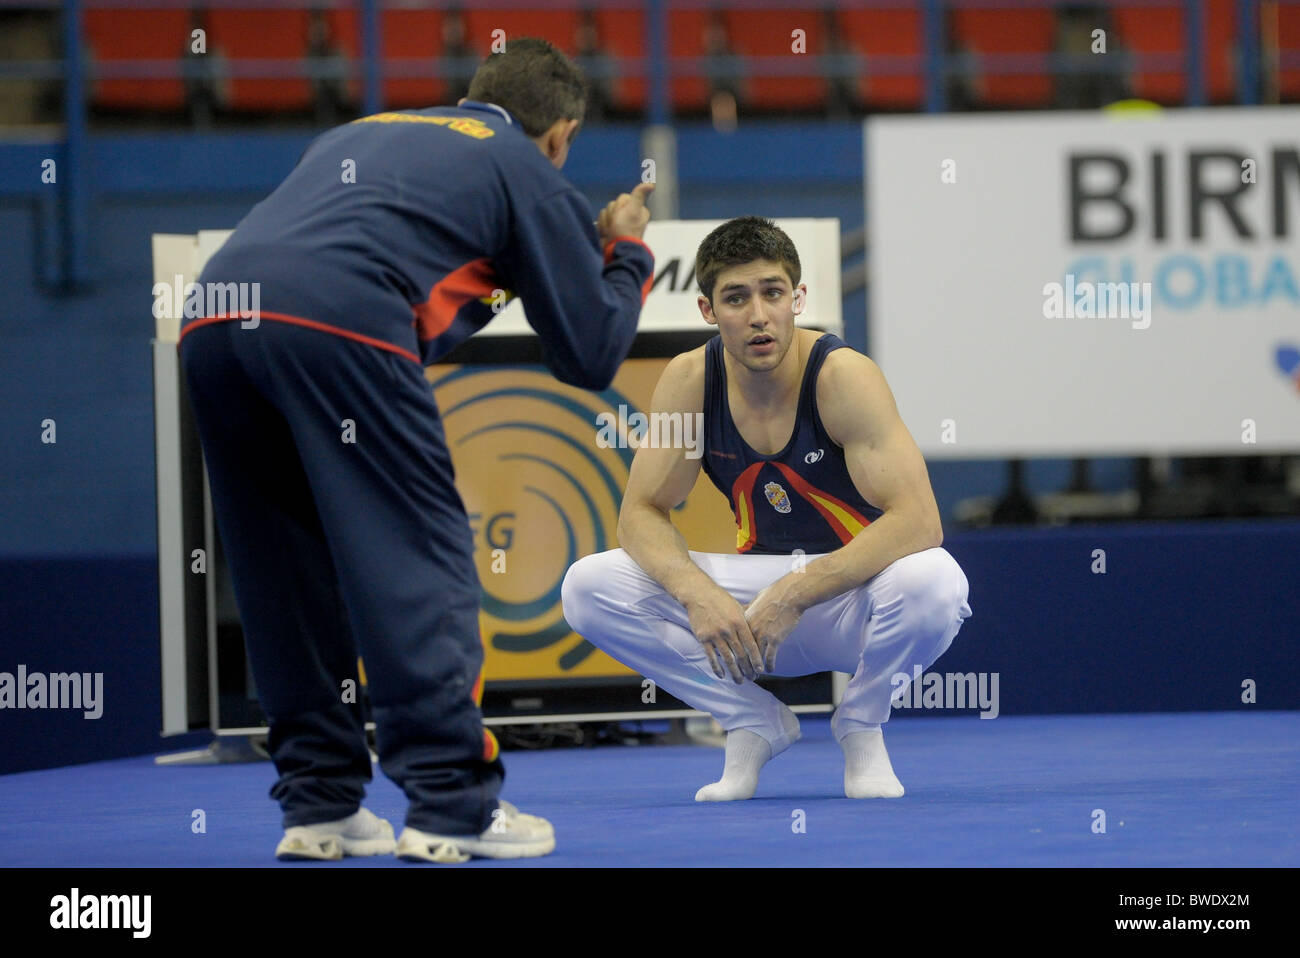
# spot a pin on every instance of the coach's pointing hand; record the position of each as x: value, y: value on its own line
x: 719, y: 623
x: 625, y: 216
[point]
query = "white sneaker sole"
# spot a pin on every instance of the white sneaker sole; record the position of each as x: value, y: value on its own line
x: 450, y: 849
x: 331, y: 848
x: 298, y: 849
x: 365, y: 847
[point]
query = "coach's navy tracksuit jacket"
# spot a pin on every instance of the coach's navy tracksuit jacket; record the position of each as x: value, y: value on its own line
x: 386, y: 246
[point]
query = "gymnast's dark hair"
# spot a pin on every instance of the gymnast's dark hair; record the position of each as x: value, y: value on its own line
x: 534, y: 81
x: 740, y: 241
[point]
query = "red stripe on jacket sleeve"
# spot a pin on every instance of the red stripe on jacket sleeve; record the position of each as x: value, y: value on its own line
x: 609, y: 255
x: 475, y: 280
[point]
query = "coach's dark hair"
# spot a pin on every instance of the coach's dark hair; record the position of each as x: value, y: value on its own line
x: 740, y: 241
x: 534, y: 81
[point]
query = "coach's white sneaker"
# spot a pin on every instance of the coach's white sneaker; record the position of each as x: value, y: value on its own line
x: 512, y: 834
x: 360, y: 834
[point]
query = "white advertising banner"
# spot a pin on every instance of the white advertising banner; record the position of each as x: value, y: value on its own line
x: 1089, y: 283
x: 670, y: 307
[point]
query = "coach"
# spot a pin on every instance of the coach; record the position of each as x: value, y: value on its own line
x: 395, y: 238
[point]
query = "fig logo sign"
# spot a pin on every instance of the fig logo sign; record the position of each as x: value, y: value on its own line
x: 540, y: 492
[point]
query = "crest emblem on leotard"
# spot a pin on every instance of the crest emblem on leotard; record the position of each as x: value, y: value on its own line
x: 777, y: 496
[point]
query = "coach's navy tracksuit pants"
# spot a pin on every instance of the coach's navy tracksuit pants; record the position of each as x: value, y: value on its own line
x: 342, y: 548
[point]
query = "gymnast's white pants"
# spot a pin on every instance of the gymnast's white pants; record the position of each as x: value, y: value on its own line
x: 906, y: 615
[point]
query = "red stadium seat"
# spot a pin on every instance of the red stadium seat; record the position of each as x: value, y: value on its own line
x: 767, y: 33
x: 247, y: 36
x: 412, y: 38
x: 121, y: 36
x: 558, y: 26
x: 1155, y: 30
x: 345, y: 30
x: 1221, y: 51
x: 623, y: 36
x: 1288, y: 39
x: 686, y: 39
x: 1008, y: 31
x: 888, y: 32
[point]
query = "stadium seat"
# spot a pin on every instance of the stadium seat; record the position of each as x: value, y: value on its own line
x: 1008, y: 31
x: 1221, y: 39
x: 623, y: 36
x: 345, y: 29
x: 689, y: 93
x: 1288, y: 40
x: 558, y: 26
x: 249, y: 36
x: 888, y: 32
x: 767, y: 33
x: 121, y: 36
x: 1146, y: 30
x: 412, y: 39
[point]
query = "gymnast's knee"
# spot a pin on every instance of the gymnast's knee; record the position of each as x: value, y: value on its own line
x: 934, y: 589
x: 584, y: 590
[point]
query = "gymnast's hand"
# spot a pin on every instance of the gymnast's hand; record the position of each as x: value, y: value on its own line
x: 719, y: 624
x: 772, y: 616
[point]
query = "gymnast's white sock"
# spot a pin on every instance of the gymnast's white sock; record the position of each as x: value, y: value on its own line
x: 867, y: 772
x: 747, y: 753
